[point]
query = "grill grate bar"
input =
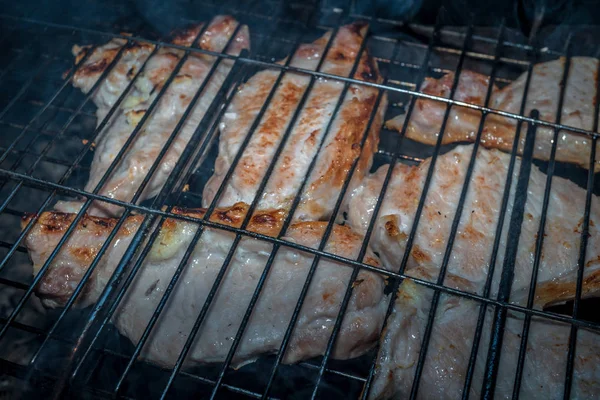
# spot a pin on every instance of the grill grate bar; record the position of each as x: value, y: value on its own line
x: 20, y: 94
x: 10, y: 245
x: 80, y: 214
x: 22, y: 372
x: 428, y: 179
x: 507, y: 277
x: 383, y: 191
x: 295, y: 203
x: 36, y: 102
x: 497, y: 237
x: 461, y: 202
x: 43, y: 109
x: 356, y: 270
x: 67, y: 123
x: 11, y: 283
x: 24, y: 153
x: 104, y: 351
x: 582, y: 253
x: 538, y: 253
x: 516, y: 220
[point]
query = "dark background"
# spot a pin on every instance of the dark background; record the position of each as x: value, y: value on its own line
x: 163, y: 14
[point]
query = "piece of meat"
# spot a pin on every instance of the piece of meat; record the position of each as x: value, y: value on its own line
x: 428, y: 115
x: 476, y: 232
x: 360, y: 328
x: 143, y: 152
x: 117, y: 80
x: 450, y: 345
x: 340, y: 147
x: 131, y: 60
x: 499, y: 132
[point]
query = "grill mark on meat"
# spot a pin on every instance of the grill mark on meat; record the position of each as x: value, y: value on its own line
x: 391, y: 227
x: 84, y: 254
x: 419, y: 255
x: 100, y: 65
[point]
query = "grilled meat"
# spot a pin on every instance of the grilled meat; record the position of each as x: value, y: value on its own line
x: 476, y: 232
x: 499, y: 132
x: 116, y: 82
x: 143, y: 152
x: 274, y: 308
x: 450, y: 345
x: 340, y: 146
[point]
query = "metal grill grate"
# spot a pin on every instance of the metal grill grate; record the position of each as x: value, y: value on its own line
x: 47, y: 131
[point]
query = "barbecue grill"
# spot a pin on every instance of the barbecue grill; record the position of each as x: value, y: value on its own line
x: 47, y: 139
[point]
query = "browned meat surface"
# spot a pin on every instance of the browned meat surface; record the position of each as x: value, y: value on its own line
x: 340, y: 147
x: 447, y: 358
x: 117, y: 80
x: 472, y: 247
x: 359, y: 331
x: 499, y: 132
x: 143, y: 152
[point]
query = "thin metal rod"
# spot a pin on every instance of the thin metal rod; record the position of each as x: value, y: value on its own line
x: 506, y: 280
x: 287, y: 222
x: 364, y: 245
x: 355, y: 273
x: 80, y: 214
x: 582, y: 251
x: 457, y: 217
x: 43, y: 109
x: 67, y: 123
x: 395, y: 156
x: 516, y: 220
x: 388, y: 176
x: 20, y: 94
x: 497, y: 239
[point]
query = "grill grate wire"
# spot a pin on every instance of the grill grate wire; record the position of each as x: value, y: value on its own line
x: 88, y: 342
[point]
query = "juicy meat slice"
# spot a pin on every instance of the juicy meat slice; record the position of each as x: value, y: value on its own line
x: 472, y: 249
x: 143, y: 152
x: 340, y: 146
x: 428, y: 115
x: 116, y: 82
x: 450, y: 344
x: 499, y: 132
x: 360, y: 328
